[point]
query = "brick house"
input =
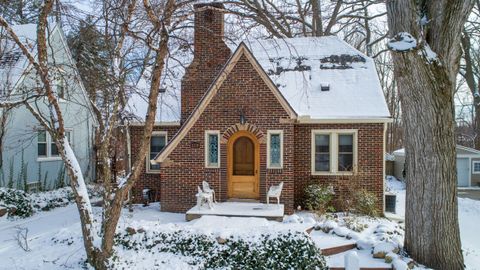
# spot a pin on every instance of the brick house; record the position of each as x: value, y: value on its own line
x: 298, y: 111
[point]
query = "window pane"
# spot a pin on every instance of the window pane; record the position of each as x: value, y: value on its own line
x: 157, y: 143
x: 322, y: 152
x: 42, y: 149
x: 54, y: 150
x: 275, y: 149
x: 345, y: 162
x: 476, y: 167
x: 345, y: 152
x: 212, y: 149
x: 42, y: 136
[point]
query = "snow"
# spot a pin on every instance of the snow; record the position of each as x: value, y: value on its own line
x: 402, y: 42
x: 300, y: 66
x: 56, y: 242
x: 240, y: 209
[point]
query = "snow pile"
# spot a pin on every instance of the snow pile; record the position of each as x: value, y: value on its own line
x: 402, y: 42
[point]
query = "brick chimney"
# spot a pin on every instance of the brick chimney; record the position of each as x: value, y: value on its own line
x: 210, y: 55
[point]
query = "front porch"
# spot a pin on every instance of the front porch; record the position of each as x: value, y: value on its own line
x: 239, y: 209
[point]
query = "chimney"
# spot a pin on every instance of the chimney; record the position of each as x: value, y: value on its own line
x: 208, y: 28
x: 210, y: 55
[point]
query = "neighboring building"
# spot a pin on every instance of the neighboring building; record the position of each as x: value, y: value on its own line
x: 468, y: 166
x: 298, y: 111
x: 28, y: 151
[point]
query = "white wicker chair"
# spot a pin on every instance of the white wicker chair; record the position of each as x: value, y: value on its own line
x: 204, y: 198
x: 207, y: 189
x: 275, y: 192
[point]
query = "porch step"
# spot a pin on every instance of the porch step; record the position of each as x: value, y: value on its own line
x: 239, y: 209
x: 337, y: 249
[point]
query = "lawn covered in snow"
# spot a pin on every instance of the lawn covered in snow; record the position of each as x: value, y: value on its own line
x: 55, y: 237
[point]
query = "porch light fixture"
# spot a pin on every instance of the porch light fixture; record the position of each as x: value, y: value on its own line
x: 243, y: 119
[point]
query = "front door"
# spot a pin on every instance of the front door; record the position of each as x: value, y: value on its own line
x: 243, y: 166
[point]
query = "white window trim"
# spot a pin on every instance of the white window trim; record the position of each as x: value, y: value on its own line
x: 147, y: 160
x: 269, y: 165
x: 49, y: 156
x: 334, y: 150
x: 473, y: 166
x: 207, y: 133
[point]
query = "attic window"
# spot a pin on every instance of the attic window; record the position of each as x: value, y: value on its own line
x: 325, y: 87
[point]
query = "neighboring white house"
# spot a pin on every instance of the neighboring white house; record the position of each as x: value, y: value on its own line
x: 28, y: 153
x: 468, y: 166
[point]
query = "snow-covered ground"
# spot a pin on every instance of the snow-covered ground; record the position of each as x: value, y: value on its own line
x: 468, y: 215
x: 55, y: 237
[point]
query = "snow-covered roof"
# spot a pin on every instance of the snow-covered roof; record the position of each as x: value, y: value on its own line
x: 303, y: 67
x: 460, y: 149
x: 12, y: 61
x: 169, y: 99
x: 299, y: 67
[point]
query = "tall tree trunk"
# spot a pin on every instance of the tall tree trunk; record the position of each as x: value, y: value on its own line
x: 426, y: 88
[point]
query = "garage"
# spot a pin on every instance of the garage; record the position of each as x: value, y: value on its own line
x: 463, y: 172
x: 468, y: 166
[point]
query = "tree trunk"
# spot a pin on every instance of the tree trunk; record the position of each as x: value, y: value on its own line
x: 426, y: 88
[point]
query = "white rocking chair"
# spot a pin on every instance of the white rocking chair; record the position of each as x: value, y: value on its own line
x: 207, y: 189
x: 204, y: 198
x: 275, y: 192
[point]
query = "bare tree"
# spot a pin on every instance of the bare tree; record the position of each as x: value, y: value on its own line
x: 158, y: 19
x: 426, y: 52
x: 470, y: 68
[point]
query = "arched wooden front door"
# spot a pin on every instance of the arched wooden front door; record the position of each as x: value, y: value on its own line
x: 243, y: 166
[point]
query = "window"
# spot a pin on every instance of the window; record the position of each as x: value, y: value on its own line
x: 476, y: 167
x: 333, y: 151
x: 275, y: 149
x: 157, y: 143
x: 345, y: 152
x: 46, y: 147
x: 212, y: 149
x: 60, y: 87
x: 322, y: 153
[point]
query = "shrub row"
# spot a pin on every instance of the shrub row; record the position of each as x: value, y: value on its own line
x: 289, y: 250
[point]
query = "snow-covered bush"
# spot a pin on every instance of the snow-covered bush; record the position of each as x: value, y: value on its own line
x: 317, y: 198
x: 365, y: 203
x: 17, y: 202
x: 48, y: 200
x: 289, y: 250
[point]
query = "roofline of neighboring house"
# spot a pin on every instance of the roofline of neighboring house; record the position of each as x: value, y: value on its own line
x: 57, y: 27
x: 242, y: 49
x: 474, y: 151
x: 159, y: 123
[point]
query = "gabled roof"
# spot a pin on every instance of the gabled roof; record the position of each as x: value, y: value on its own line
x: 12, y: 61
x: 300, y: 66
x: 12, y: 75
x: 212, y: 91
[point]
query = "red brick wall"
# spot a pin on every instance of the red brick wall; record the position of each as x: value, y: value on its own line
x: 370, y: 162
x: 244, y: 90
x: 146, y: 180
